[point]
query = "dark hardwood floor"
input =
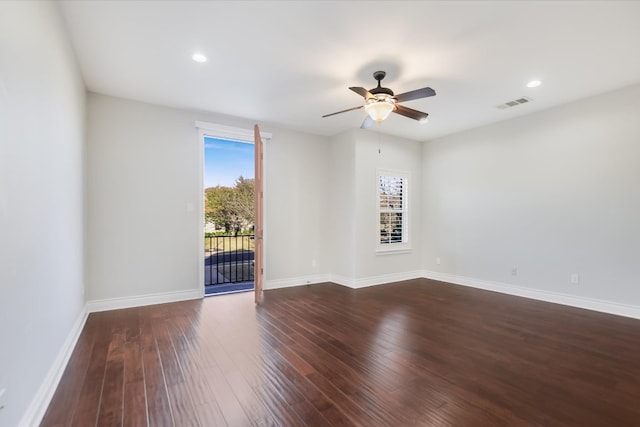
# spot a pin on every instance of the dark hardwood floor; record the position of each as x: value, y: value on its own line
x: 411, y: 353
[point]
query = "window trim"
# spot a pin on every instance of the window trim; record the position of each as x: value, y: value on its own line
x: 405, y: 245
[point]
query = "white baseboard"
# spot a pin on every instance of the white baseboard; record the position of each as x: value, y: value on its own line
x: 540, y: 295
x: 142, y: 300
x: 375, y: 280
x: 296, y: 281
x: 342, y: 280
x: 41, y: 400
x: 387, y: 278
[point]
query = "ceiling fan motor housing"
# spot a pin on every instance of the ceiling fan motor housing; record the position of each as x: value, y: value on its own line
x: 379, y: 75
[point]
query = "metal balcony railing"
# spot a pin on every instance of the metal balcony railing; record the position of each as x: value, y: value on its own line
x: 228, y: 259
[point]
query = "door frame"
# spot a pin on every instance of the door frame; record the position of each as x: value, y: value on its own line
x: 230, y: 133
x: 258, y: 203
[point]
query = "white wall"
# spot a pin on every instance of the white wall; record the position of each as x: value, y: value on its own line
x: 296, y: 209
x: 355, y: 158
x: 552, y: 193
x: 41, y: 203
x: 341, y: 224
x: 143, y: 174
x: 142, y: 177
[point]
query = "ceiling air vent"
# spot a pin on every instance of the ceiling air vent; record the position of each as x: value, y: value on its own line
x: 515, y: 102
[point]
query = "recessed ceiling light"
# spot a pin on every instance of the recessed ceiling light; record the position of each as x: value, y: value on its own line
x: 534, y: 83
x: 198, y: 57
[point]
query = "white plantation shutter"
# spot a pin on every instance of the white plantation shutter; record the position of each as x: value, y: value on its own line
x: 392, y: 210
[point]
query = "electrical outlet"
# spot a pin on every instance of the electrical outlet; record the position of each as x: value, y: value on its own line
x: 514, y: 271
x: 575, y: 278
x: 438, y: 260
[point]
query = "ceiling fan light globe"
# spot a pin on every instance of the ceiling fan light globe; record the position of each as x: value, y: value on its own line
x: 379, y: 110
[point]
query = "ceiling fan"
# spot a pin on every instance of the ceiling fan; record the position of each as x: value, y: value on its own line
x: 380, y: 102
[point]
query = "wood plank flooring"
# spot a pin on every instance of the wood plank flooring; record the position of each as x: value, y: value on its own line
x: 414, y: 353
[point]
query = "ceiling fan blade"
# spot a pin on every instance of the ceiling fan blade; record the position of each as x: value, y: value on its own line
x: 415, y: 94
x: 362, y: 92
x: 410, y: 112
x: 367, y: 123
x: 344, y: 111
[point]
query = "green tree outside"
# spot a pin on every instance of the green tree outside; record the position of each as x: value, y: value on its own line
x: 231, y: 208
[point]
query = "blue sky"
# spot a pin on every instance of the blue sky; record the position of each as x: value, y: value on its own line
x: 225, y: 161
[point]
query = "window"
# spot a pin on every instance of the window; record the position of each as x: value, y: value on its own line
x: 392, y: 211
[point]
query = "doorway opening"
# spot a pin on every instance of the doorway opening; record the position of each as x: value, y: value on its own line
x: 229, y: 216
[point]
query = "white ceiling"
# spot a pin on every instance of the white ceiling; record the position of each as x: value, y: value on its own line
x: 288, y: 63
